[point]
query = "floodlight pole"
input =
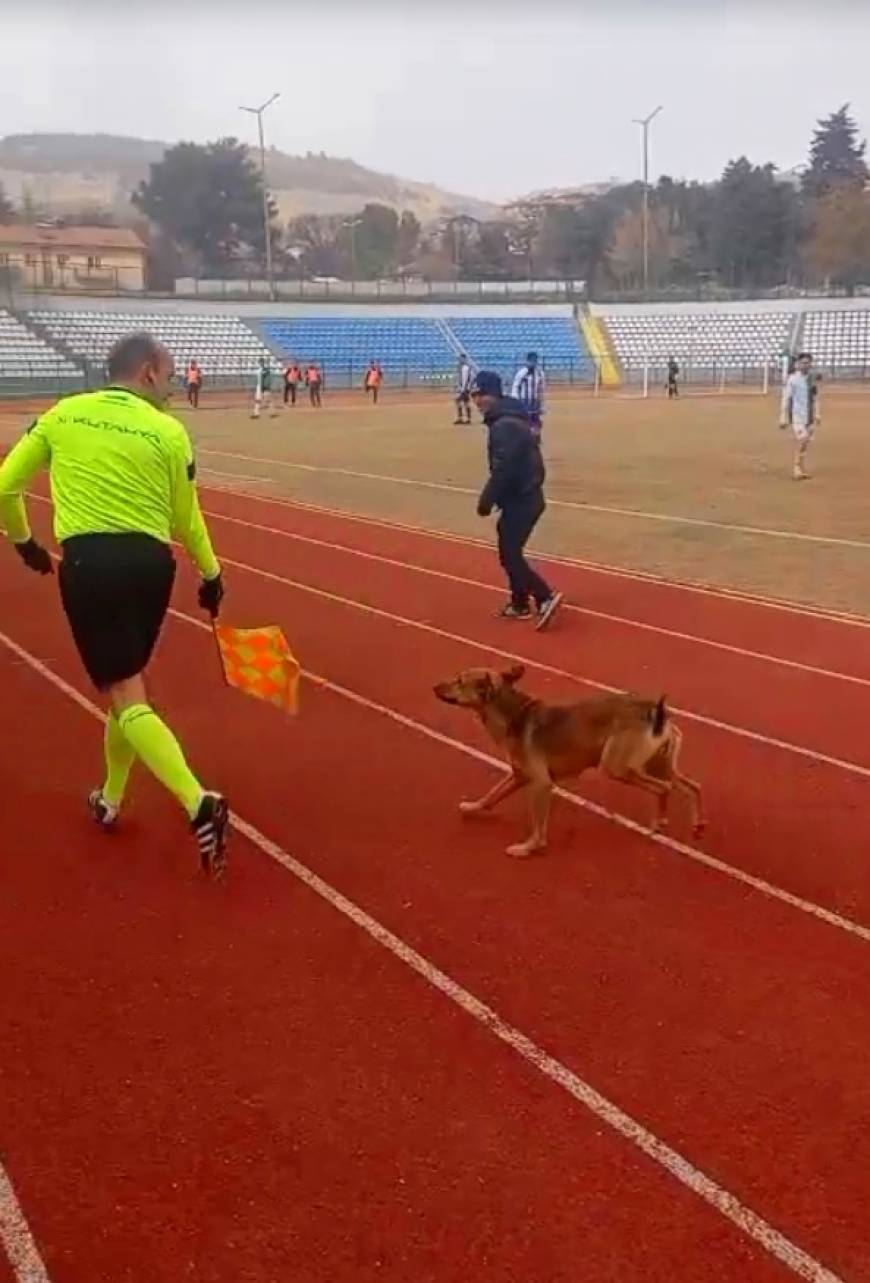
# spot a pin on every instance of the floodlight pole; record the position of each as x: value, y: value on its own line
x: 645, y: 123
x: 258, y: 112
x: 353, y: 224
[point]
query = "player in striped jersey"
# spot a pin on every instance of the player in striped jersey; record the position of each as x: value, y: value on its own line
x: 528, y: 388
x: 464, y: 380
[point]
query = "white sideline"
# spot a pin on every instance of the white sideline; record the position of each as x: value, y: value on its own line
x: 553, y: 503
x: 18, y: 1242
x: 747, y: 1222
x: 416, y: 568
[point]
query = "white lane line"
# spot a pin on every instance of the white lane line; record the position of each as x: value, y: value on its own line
x: 416, y: 568
x: 730, y: 728
x: 694, y: 854
x: 575, y: 504
x: 234, y: 476
x: 736, y: 595
x: 700, y: 857
x: 18, y: 1242
x: 747, y: 1221
x: 799, y: 750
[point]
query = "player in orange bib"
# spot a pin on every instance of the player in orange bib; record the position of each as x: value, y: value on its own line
x: 193, y: 382
x: 373, y: 380
x: 314, y: 382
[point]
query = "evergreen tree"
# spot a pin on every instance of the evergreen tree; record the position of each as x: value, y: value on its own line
x: 836, y: 156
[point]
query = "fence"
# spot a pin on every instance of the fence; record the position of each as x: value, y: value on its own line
x: 39, y: 273
x: 44, y: 378
x: 388, y: 291
x: 34, y: 274
x: 30, y: 378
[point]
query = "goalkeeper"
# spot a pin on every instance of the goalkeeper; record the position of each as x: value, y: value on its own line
x: 122, y: 484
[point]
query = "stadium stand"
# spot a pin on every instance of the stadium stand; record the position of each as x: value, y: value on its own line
x: 712, y: 344
x: 839, y: 341
x: 705, y: 340
x: 501, y: 343
x: 224, y: 346
x: 408, y: 348
x: 27, y: 360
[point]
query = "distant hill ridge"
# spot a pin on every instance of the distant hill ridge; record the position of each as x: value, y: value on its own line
x: 72, y: 171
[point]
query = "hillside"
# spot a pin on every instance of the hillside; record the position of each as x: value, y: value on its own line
x: 70, y: 171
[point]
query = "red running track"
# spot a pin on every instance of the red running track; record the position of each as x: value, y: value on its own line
x: 236, y: 1083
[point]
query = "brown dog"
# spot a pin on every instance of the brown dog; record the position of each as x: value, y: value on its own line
x: 628, y: 738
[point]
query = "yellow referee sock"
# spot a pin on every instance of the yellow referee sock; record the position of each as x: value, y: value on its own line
x: 155, y: 745
x: 120, y: 757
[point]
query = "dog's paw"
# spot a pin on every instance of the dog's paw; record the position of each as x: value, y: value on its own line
x: 470, y: 808
x: 523, y: 850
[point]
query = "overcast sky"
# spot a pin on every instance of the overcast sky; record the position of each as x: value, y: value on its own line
x: 492, y: 100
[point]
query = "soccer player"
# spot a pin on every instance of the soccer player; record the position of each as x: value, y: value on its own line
x: 673, y: 389
x: 374, y: 377
x: 464, y: 380
x: 263, y: 389
x: 528, y: 389
x: 800, y: 411
x: 516, y: 487
x: 123, y: 484
x: 292, y: 379
x: 314, y: 381
x: 193, y: 381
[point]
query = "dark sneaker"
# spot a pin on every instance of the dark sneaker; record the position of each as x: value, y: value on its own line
x: 510, y: 611
x: 103, y: 812
x: 209, y: 827
x: 547, y: 610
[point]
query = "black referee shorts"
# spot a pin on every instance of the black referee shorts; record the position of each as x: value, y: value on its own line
x: 115, y: 591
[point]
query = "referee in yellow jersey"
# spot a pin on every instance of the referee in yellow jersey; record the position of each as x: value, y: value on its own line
x: 123, y: 485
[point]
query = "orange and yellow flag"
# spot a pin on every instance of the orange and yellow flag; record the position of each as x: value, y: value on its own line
x: 259, y: 662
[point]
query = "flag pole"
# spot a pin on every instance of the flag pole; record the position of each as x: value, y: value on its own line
x: 220, y: 656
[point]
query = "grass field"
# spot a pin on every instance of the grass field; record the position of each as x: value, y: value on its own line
x: 666, y: 488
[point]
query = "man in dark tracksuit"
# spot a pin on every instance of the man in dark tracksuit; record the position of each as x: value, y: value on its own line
x: 516, y: 488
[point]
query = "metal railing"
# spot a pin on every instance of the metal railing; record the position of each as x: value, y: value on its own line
x: 387, y: 291
x: 41, y: 378
x: 22, y: 377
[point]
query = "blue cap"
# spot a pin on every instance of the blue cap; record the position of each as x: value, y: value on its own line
x: 487, y: 383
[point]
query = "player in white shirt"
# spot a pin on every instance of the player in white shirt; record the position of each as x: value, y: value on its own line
x: 263, y: 390
x: 464, y: 380
x: 800, y: 411
x: 528, y: 388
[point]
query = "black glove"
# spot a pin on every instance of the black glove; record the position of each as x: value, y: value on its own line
x: 211, y: 594
x: 484, y: 509
x: 35, y: 557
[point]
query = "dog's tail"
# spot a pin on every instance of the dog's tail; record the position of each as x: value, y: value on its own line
x: 659, y: 716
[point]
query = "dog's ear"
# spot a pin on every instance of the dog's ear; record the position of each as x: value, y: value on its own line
x: 513, y: 675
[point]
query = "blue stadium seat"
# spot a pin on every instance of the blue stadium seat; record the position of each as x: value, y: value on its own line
x: 411, y: 348
x: 501, y: 343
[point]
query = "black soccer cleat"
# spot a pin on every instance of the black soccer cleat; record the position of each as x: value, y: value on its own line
x: 104, y: 814
x: 209, y: 827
